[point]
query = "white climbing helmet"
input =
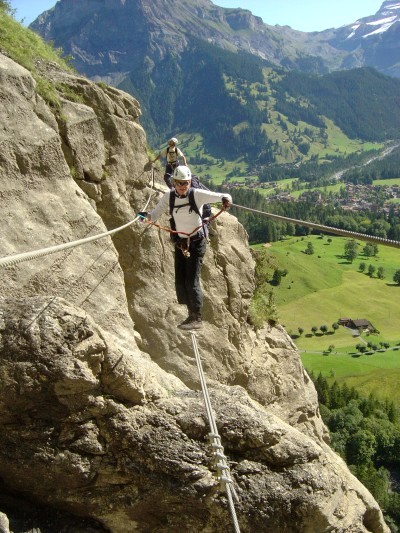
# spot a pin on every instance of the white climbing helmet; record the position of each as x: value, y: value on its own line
x: 182, y: 173
x: 173, y: 140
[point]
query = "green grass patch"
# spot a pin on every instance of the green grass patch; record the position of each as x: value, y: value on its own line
x: 338, y: 144
x: 389, y: 182
x: 26, y: 48
x: 326, y: 189
x: 212, y: 168
x: 378, y: 373
x: 322, y: 287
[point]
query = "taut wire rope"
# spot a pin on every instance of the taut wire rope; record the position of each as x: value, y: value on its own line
x: 26, y: 256
x: 223, y: 471
x: 327, y: 229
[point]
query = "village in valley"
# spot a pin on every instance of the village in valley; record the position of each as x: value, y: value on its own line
x: 374, y: 198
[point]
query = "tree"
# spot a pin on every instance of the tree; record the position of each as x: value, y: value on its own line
x: 362, y: 267
x: 370, y: 249
x: 290, y: 230
x: 377, y: 481
x: 263, y: 308
x: 392, y: 413
x: 277, y: 277
x: 371, y: 270
x: 335, y: 326
x: 5, y: 6
x: 322, y: 388
x: 324, y: 329
x: 300, y: 330
x: 351, y: 250
x: 310, y: 248
x: 314, y: 329
x: 360, y: 448
x: 381, y: 273
x: 396, y: 277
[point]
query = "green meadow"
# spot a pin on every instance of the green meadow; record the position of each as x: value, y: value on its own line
x: 378, y: 373
x: 321, y: 288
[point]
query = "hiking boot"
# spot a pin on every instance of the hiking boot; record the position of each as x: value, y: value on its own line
x: 186, y: 321
x: 194, y: 323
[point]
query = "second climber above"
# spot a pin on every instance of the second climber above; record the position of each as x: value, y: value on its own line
x: 172, y: 154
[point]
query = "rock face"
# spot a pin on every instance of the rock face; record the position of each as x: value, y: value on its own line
x: 99, y: 396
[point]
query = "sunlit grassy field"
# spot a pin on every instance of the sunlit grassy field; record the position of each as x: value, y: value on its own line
x: 321, y: 288
x: 378, y: 373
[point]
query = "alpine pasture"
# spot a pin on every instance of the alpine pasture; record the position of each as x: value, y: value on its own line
x: 320, y: 288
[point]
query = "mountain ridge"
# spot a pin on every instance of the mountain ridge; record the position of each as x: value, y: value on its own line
x: 155, y: 50
x: 231, y: 28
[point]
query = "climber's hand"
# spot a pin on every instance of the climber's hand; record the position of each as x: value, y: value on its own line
x: 142, y: 215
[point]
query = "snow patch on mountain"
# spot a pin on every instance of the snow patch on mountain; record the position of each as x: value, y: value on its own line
x: 354, y: 28
x: 383, y: 24
x: 384, y: 19
x: 390, y: 7
x: 382, y: 29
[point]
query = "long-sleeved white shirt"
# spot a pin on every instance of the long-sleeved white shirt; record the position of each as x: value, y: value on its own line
x: 187, y: 222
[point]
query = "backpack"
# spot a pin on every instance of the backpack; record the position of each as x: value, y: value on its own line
x: 193, y: 207
x: 169, y: 151
x: 196, y: 184
x: 206, y: 207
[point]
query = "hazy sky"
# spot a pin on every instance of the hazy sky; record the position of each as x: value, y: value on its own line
x: 306, y: 15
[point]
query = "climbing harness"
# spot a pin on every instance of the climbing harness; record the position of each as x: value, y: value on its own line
x: 219, y: 459
x: 184, y: 243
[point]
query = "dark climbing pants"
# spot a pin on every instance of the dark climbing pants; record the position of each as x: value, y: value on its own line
x: 169, y: 170
x: 187, y: 276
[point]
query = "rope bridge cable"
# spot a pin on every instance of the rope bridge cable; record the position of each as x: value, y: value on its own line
x: 223, y: 471
x: 27, y: 256
x: 327, y: 229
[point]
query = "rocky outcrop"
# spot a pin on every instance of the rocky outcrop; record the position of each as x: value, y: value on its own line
x: 99, y: 391
x: 77, y: 419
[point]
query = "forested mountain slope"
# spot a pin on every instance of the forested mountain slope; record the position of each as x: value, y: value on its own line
x: 217, y: 74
